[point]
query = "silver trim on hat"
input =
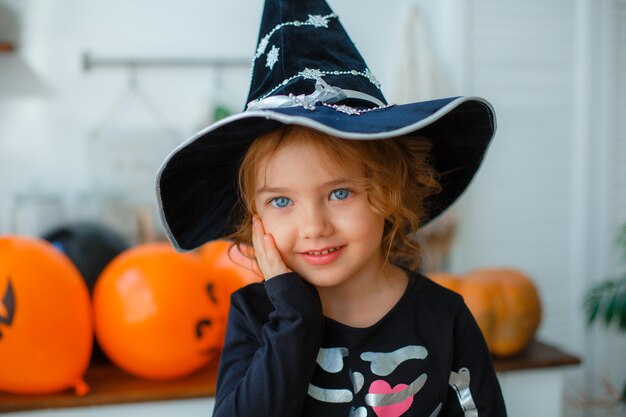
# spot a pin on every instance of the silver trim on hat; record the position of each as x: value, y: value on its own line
x: 324, y: 93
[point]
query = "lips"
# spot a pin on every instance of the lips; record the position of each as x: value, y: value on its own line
x: 322, y: 256
x: 323, y: 251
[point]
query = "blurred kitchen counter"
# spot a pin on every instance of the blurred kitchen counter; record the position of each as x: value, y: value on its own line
x: 110, y: 385
x: 536, y: 373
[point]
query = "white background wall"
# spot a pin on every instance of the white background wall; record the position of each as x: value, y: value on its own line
x: 548, y: 199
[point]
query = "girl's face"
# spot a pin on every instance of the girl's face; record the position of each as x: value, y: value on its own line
x: 322, y: 223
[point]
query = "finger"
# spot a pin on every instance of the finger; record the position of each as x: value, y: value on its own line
x: 257, y: 235
x: 268, y: 257
x: 274, y: 262
x: 259, y: 245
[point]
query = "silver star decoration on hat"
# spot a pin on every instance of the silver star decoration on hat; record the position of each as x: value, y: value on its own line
x: 318, y: 21
x: 262, y: 45
x: 370, y: 76
x: 311, y: 74
x: 272, y: 57
x: 347, y: 110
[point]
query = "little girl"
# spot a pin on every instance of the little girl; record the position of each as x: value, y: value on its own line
x: 329, y: 183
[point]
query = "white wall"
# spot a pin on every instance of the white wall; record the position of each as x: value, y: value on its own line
x: 540, y: 202
x: 46, y: 143
x: 549, y: 198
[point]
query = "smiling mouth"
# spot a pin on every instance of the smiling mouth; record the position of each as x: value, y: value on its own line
x: 323, y: 251
x: 322, y: 256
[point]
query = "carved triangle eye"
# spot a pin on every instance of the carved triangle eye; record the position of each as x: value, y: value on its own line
x: 210, y: 288
x: 8, y: 302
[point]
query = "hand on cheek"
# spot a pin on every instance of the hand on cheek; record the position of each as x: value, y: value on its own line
x: 267, y: 255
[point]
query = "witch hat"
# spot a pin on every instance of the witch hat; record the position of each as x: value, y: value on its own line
x: 306, y: 71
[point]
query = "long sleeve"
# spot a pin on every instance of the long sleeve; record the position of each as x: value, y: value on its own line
x: 270, y: 349
x: 474, y: 390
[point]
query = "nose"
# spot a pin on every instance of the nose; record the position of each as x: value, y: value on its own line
x: 314, y: 222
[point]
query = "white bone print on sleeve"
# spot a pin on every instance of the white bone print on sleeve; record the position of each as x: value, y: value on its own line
x: 460, y: 382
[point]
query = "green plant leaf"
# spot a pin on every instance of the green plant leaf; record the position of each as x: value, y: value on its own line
x: 621, y: 241
x: 622, y: 315
x: 592, y: 304
x: 612, y: 300
x: 607, y: 301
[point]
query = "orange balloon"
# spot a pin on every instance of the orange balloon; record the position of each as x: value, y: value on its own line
x: 154, y: 317
x: 46, y: 328
x: 224, y: 262
x: 227, y: 270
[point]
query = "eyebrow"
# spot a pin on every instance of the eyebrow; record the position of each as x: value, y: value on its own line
x: 338, y: 181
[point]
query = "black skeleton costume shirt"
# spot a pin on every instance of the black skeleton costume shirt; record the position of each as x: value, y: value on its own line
x: 426, y: 357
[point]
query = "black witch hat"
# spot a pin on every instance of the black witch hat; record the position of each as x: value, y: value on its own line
x: 306, y: 71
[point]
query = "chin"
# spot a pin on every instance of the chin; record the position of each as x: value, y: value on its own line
x: 323, y: 279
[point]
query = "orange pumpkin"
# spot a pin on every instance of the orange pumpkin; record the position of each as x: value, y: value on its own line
x: 153, y: 315
x: 504, y: 302
x: 227, y: 270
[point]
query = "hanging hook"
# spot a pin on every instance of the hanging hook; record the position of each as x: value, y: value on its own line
x: 133, y: 89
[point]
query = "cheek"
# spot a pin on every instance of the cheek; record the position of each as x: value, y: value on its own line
x: 279, y: 229
x: 361, y: 223
x: 371, y: 231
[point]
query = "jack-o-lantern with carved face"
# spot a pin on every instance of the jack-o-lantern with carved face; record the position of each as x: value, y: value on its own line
x: 155, y: 316
x: 46, y: 328
x: 227, y: 269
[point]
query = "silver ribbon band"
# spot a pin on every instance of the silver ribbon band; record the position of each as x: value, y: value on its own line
x: 324, y: 93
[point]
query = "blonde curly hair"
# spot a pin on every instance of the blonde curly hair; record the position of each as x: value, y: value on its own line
x: 398, y: 177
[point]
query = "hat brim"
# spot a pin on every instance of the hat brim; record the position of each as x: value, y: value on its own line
x: 197, y: 183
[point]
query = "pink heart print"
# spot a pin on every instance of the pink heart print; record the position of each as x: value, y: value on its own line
x: 394, y: 410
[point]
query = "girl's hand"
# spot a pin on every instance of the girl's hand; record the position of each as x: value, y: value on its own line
x: 267, y: 255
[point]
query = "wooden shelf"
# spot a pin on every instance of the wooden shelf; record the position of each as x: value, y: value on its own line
x: 537, y: 355
x: 110, y: 385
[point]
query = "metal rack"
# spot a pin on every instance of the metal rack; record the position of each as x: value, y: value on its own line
x: 91, y: 63
x: 132, y: 65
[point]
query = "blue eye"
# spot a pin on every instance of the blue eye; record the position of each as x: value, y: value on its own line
x: 340, y: 194
x: 280, y: 202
